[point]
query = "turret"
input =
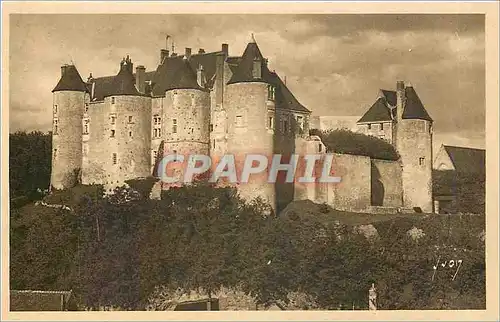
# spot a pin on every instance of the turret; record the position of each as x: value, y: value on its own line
x: 120, y: 131
x: 413, y: 134
x: 249, y: 132
x: 69, y: 98
x: 186, y: 113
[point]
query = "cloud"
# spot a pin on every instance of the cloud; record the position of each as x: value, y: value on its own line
x: 334, y: 64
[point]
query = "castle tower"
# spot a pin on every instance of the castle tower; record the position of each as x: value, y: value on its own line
x: 413, y: 141
x: 69, y: 97
x: 186, y: 113
x: 119, y: 134
x: 246, y: 104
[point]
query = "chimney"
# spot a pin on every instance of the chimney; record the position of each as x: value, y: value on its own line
x: 63, y: 69
x: 188, y: 53
x: 163, y: 55
x: 400, y: 99
x: 140, y: 81
x: 200, y: 76
x: 225, y: 49
x: 201, y: 51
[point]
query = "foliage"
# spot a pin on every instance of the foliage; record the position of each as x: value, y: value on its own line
x: 348, y: 142
x: 30, y: 156
x: 130, y: 252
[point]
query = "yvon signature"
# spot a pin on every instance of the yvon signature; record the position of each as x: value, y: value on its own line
x: 452, y: 264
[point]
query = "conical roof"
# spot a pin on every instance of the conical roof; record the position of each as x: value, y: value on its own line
x: 70, y: 80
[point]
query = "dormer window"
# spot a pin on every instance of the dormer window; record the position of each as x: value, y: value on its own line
x: 257, y: 68
x: 271, y: 92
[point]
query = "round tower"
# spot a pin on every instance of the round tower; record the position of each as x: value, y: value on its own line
x: 69, y: 98
x: 248, y: 125
x: 127, y: 129
x: 414, y: 144
x: 186, y: 115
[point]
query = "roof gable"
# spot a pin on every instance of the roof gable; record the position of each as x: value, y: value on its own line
x: 378, y: 112
x: 70, y: 80
x: 381, y: 109
x: 467, y: 160
x: 123, y: 84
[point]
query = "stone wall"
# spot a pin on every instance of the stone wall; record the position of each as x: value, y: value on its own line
x: 248, y: 133
x: 67, y: 139
x: 381, y: 130
x: 119, y: 150
x: 413, y: 142
x: 386, y: 183
x: 186, y: 121
x: 354, y: 191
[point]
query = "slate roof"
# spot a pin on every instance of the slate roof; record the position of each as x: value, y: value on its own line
x: 175, y: 72
x: 70, y: 81
x: 467, y: 160
x: 379, y: 111
x: 179, y: 73
x: 27, y: 300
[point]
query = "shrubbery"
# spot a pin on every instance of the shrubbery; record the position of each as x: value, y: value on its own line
x: 29, y: 165
x: 348, y: 142
x: 117, y: 253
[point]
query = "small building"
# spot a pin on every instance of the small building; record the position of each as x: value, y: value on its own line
x: 30, y: 300
x: 460, y: 159
x: 207, y: 304
x: 458, y: 180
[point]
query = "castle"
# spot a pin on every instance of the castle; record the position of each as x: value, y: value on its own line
x: 111, y: 129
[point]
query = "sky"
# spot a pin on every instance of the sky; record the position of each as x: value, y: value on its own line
x: 334, y: 64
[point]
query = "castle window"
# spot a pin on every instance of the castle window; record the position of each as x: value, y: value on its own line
x: 214, y: 144
x: 56, y: 123
x: 320, y: 147
x: 271, y: 92
x: 300, y: 123
x: 114, y: 158
x: 369, y: 126
x: 270, y: 122
x: 211, y: 127
x: 239, y: 120
x: 156, y: 133
x: 157, y: 120
x: 112, y: 119
x: 86, y: 124
x: 112, y: 133
x: 55, y: 153
x: 381, y: 126
x: 130, y: 134
x: 285, y: 126
x: 130, y: 119
x: 421, y: 161
x: 174, y: 125
x: 55, y: 109
x: 112, y: 100
x: 86, y: 107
